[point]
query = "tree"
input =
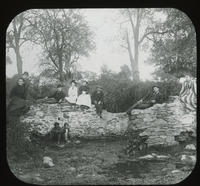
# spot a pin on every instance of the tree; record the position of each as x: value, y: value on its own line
x: 137, y: 30
x: 175, y: 51
x: 64, y: 36
x: 16, y: 37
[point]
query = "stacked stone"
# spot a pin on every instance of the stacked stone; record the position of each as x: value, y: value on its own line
x: 162, y: 122
x: 41, y: 118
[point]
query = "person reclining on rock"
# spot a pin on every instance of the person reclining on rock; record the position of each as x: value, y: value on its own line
x: 58, y: 96
x: 153, y: 97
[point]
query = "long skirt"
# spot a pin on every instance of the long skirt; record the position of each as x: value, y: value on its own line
x: 71, y: 99
x: 84, y: 99
x: 17, y: 106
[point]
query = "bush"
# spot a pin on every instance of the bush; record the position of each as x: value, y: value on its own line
x: 17, y: 144
x: 120, y: 94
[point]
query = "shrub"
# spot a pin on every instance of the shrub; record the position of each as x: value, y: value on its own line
x: 120, y: 94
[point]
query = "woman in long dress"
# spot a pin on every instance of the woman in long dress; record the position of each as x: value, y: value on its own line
x: 84, y: 98
x: 72, y: 93
x: 18, y: 105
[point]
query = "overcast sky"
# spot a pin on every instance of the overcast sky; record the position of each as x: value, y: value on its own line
x: 105, y: 25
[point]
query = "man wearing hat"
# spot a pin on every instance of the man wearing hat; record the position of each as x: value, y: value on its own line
x: 153, y: 97
x: 98, y: 97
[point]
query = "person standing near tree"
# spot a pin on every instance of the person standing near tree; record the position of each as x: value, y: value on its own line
x: 98, y: 97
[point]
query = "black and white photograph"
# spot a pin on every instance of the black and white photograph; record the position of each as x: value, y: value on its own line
x: 101, y: 96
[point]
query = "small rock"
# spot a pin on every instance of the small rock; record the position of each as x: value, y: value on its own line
x: 77, y: 142
x: 79, y: 176
x: 190, y: 147
x: 48, y: 162
x: 147, y: 157
x: 190, y: 160
x: 176, y: 171
x: 72, y: 169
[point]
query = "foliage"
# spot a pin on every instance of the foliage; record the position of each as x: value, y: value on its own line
x: 174, y: 51
x: 17, y: 143
x: 64, y: 36
x: 121, y: 92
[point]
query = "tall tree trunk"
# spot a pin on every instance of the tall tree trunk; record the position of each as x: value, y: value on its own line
x: 19, y: 60
x: 61, y: 69
x: 130, y: 55
x: 136, y: 75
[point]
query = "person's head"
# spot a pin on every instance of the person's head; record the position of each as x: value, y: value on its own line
x: 155, y: 89
x: 59, y: 87
x: 66, y: 125
x: 56, y: 124
x: 25, y: 75
x: 20, y: 81
x: 73, y: 83
x: 85, y: 82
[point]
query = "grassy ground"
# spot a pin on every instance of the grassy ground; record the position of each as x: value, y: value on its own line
x: 96, y: 162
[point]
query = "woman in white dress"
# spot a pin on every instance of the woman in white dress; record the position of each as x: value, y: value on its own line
x: 72, y: 93
x: 84, y: 98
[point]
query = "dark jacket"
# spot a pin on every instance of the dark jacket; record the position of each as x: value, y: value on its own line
x: 57, y: 95
x: 153, y: 96
x: 83, y: 88
x: 18, y: 91
x: 98, y: 96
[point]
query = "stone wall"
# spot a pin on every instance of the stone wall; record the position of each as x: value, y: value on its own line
x: 164, y: 123
x: 41, y: 118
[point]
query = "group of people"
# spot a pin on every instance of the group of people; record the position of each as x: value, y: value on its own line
x: 79, y: 97
x: 76, y: 97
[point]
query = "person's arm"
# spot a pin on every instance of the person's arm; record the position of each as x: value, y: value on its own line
x: 147, y: 97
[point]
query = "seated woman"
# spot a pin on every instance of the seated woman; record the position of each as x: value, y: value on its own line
x: 84, y: 99
x: 57, y: 96
x: 72, y: 94
x: 18, y: 104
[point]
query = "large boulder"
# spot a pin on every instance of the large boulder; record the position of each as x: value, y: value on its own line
x: 41, y: 118
x: 164, y: 124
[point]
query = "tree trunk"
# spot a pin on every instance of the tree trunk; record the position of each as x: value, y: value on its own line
x: 61, y: 70
x: 19, y: 60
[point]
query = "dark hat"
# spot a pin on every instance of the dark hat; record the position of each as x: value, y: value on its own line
x: 25, y: 73
x: 155, y: 86
x: 73, y: 81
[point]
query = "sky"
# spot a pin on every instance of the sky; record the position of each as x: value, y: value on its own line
x: 105, y: 25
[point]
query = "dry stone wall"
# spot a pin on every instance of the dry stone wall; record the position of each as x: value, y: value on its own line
x: 41, y: 118
x: 164, y: 123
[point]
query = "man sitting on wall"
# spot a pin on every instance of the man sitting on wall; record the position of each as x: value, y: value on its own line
x: 57, y: 97
x: 153, y: 97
